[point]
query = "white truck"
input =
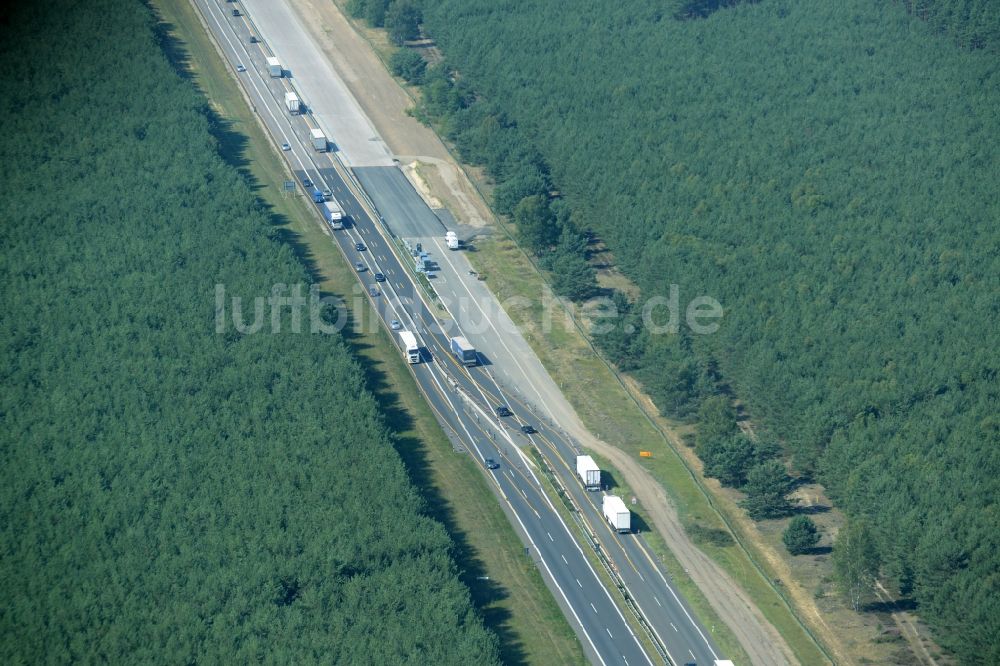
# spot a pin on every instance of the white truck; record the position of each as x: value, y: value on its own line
x: 274, y: 68
x: 409, y: 341
x: 333, y: 213
x: 616, y: 513
x: 318, y: 139
x: 451, y: 238
x: 292, y: 103
x: 589, y: 472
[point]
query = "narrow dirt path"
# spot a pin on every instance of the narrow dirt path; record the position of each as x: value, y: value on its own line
x: 908, y: 629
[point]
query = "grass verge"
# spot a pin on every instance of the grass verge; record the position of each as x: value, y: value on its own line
x: 507, y: 588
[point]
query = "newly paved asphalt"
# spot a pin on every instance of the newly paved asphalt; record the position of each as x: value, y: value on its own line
x: 398, y: 203
x: 463, y: 399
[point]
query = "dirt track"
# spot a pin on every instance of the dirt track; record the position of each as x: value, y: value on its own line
x: 385, y: 103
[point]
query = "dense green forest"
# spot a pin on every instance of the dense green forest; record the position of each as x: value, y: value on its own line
x: 827, y: 171
x: 972, y: 24
x: 170, y: 494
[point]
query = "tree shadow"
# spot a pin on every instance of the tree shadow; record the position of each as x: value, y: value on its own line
x: 608, y: 481
x: 416, y: 459
x: 818, y: 550
x: 604, y: 292
x: 701, y: 9
x: 164, y: 33
x: 639, y: 524
x: 891, y: 606
x: 810, y: 510
x: 485, y: 593
x: 232, y: 145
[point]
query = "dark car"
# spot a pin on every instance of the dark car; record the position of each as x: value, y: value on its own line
x: 491, y: 464
x: 502, y: 410
x: 360, y: 247
x: 527, y: 429
x: 373, y: 290
x: 306, y: 182
x: 379, y: 277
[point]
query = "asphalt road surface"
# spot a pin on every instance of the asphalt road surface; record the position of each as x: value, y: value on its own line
x: 317, y: 84
x: 463, y: 399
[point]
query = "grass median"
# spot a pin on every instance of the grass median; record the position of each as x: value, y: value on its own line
x: 507, y: 588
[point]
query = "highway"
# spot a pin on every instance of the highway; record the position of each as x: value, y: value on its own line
x: 464, y: 399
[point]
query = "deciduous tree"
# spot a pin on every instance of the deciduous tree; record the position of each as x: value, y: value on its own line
x: 856, y: 563
x: 402, y: 20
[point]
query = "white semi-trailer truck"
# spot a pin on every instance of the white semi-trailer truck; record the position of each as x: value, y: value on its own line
x: 318, y: 139
x: 274, y: 68
x: 589, y: 472
x: 292, y: 103
x: 333, y: 213
x: 616, y: 513
x: 409, y: 341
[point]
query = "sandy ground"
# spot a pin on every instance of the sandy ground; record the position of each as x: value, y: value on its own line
x: 385, y: 103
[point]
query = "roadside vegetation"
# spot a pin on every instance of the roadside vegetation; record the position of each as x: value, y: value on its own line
x: 826, y: 172
x: 171, y: 492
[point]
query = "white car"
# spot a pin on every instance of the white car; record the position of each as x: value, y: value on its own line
x: 240, y: 68
x: 286, y: 147
x: 395, y: 325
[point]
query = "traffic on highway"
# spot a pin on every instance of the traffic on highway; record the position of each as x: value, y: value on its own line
x: 617, y: 596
